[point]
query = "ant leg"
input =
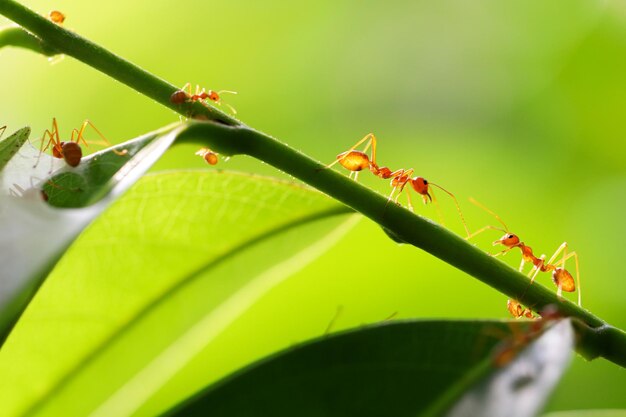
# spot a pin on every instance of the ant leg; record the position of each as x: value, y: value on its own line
x: 566, y: 256
x: 393, y: 190
x: 346, y: 153
x: 408, y: 198
x: 80, y: 136
x: 502, y: 252
x: 187, y: 90
x: 561, y: 248
x: 53, y: 140
x: 521, y: 265
x: 2, y: 129
x: 537, y: 269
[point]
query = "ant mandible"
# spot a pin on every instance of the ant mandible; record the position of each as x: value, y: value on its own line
x: 560, y: 276
x: 70, y: 151
x: 184, y: 94
x: 355, y: 161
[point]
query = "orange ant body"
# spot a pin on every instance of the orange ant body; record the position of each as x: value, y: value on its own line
x: 208, y: 155
x: 56, y: 16
x: 355, y: 161
x: 184, y: 94
x: 517, y: 310
x: 70, y: 151
x: 560, y: 276
x: 507, y: 350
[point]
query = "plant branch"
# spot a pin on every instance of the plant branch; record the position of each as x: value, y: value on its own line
x: 57, y: 38
x: 230, y: 137
x: 405, y: 226
x: 18, y: 37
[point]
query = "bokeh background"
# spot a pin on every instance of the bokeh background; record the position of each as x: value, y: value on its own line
x: 518, y: 104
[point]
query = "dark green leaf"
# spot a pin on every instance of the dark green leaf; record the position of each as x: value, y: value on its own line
x: 398, y: 369
x: 153, y: 282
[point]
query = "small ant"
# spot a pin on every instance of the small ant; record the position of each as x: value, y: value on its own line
x: 560, y: 276
x: 184, y: 94
x: 507, y: 350
x: 70, y: 151
x: 517, y: 310
x: 209, y: 156
x: 354, y: 161
x: 56, y: 16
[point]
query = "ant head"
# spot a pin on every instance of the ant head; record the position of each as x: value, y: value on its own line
x: 214, y: 96
x: 509, y: 240
x: 420, y: 185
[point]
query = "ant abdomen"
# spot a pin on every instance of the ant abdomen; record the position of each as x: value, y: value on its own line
x: 564, y: 280
x: 71, y: 152
x: 178, y: 97
x: 354, y: 160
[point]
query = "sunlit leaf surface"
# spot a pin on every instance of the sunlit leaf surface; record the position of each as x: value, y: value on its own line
x: 30, y: 226
x: 152, y: 282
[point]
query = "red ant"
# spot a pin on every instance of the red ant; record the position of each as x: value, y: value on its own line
x: 209, y: 156
x: 507, y: 350
x: 560, y: 276
x: 355, y: 161
x: 70, y: 151
x: 56, y: 16
x: 517, y: 310
x: 184, y: 94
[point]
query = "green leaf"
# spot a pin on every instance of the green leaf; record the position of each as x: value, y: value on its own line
x: 29, y: 225
x: 587, y: 413
x: 153, y: 282
x: 522, y: 386
x: 12, y: 144
x: 398, y: 369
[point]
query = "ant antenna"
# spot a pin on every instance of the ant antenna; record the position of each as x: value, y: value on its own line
x: 456, y: 202
x: 489, y: 227
x: 476, y: 203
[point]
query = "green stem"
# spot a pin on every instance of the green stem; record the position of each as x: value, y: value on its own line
x: 64, y: 41
x: 18, y: 37
x: 407, y: 227
x: 231, y: 137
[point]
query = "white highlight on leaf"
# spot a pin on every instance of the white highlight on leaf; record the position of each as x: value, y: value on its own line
x: 139, y: 388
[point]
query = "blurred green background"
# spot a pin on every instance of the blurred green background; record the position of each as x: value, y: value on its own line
x: 518, y: 104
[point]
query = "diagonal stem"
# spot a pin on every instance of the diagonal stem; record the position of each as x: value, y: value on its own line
x: 229, y: 136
